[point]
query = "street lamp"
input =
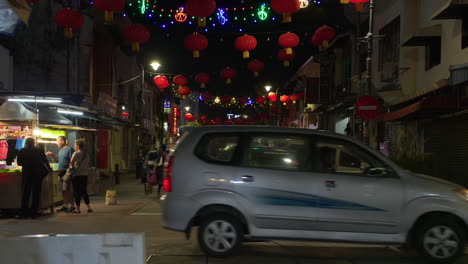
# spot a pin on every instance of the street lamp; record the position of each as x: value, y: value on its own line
x: 268, y: 88
x: 155, y: 65
x: 187, y: 108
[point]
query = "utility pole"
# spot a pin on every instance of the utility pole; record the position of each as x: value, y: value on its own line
x: 370, y: 45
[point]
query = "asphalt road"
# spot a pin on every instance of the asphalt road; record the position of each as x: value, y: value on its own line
x: 139, y: 213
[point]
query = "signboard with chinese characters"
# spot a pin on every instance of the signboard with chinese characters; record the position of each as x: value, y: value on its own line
x: 107, y: 104
x: 167, y: 106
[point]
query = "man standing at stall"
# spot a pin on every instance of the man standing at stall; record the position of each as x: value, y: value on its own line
x: 64, y: 156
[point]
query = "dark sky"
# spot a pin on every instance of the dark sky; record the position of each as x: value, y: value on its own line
x: 166, y: 44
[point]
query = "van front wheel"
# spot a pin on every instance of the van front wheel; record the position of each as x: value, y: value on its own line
x: 220, y: 235
x: 441, y: 240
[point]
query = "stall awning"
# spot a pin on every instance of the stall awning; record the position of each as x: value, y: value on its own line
x: 438, y: 103
x: 49, y: 115
x: 70, y: 127
x: 453, y: 9
x: 424, y: 36
x: 15, y: 111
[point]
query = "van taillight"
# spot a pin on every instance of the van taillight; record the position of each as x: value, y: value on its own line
x: 167, y: 181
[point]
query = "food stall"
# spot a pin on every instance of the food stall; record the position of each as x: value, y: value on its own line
x: 16, y: 123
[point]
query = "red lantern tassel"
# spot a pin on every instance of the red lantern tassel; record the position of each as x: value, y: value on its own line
x: 289, y: 50
x: 202, y: 85
x: 202, y: 21
x: 68, y: 33
x: 325, y: 43
x: 245, y: 55
x: 196, y: 54
x: 256, y: 74
x: 286, y: 63
x: 108, y: 17
x: 287, y: 18
x: 228, y: 81
x: 135, y: 46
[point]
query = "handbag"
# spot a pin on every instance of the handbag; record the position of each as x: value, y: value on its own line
x: 153, y: 180
x: 71, y: 171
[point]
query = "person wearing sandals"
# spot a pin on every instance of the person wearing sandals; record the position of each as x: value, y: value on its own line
x: 80, y: 162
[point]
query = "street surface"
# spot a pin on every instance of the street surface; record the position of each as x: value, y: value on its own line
x: 139, y: 213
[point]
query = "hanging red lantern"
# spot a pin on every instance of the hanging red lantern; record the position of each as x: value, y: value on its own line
x: 204, y: 117
x: 226, y: 99
x: 286, y: 58
x: 188, y: 116
x: 245, y: 44
x: 286, y: 8
x: 228, y: 122
x: 316, y: 41
x: 202, y: 78
x: 260, y: 100
x: 184, y: 91
x: 195, y: 42
x: 244, y: 100
x: 206, y: 96
x: 218, y: 121
x: 359, y: 4
x: 272, y: 96
x: 288, y: 41
x: 294, y: 98
x: 325, y: 34
x: 284, y: 99
x: 109, y: 7
x: 200, y: 9
x: 228, y: 74
x: 69, y: 20
x: 180, y: 80
x: 256, y: 66
x: 161, y: 82
x: 136, y: 34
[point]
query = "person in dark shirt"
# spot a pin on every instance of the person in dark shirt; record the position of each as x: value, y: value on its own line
x: 35, y: 168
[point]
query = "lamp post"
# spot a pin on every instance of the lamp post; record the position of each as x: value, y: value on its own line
x: 369, y: 38
x: 140, y: 119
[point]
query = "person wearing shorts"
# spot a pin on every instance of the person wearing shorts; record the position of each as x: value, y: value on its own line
x: 63, y: 158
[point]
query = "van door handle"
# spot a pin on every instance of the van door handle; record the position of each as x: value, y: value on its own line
x: 247, y: 178
x: 330, y: 184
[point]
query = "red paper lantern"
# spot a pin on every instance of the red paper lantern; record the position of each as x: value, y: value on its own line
x: 288, y: 41
x: 200, y: 9
x: 272, y: 96
x: 228, y: 122
x: 244, y: 100
x: 188, y: 116
x: 359, y: 4
x: 161, y: 82
x: 286, y: 7
x: 284, y: 99
x: 202, y: 78
x: 136, y: 34
x: 316, y: 40
x: 245, y: 44
x: 325, y: 34
x: 184, y: 91
x: 286, y: 58
x: 69, y: 20
x: 226, y: 99
x: 195, y: 42
x: 228, y: 74
x: 294, y: 98
x: 218, y: 121
x: 256, y: 66
x: 109, y: 7
x: 204, y: 117
x: 261, y: 99
x: 180, y: 80
x: 206, y: 96
x: 238, y: 121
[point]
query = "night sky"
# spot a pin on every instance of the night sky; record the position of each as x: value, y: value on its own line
x: 166, y: 44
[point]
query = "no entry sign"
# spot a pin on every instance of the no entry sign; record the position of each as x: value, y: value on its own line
x: 367, y: 107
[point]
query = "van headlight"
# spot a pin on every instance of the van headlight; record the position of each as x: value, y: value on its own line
x: 463, y: 193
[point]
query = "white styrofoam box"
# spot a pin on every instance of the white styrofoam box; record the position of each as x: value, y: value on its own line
x: 74, y: 249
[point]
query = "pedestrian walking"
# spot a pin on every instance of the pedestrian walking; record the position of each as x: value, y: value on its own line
x: 80, y: 164
x: 159, y: 167
x: 35, y: 167
x: 64, y: 157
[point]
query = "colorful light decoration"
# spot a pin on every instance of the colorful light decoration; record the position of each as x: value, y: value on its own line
x: 180, y: 16
x: 262, y: 12
x: 222, y: 17
x: 142, y: 6
x: 304, y: 3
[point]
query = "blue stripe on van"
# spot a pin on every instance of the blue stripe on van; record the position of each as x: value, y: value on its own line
x: 306, y: 200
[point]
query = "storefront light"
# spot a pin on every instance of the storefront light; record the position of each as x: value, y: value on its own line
x: 35, y: 100
x: 69, y: 112
x: 37, y: 132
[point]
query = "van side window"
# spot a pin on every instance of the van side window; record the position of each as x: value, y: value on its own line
x: 217, y: 147
x: 343, y: 157
x: 283, y: 152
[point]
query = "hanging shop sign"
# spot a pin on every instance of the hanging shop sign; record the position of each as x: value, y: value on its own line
x: 367, y: 107
x: 107, y: 104
x: 51, y: 133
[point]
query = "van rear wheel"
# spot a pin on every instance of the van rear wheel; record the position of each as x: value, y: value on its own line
x: 220, y: 235
x: 440, y: 240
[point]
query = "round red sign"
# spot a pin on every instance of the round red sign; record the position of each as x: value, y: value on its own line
x: 367, y: 107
